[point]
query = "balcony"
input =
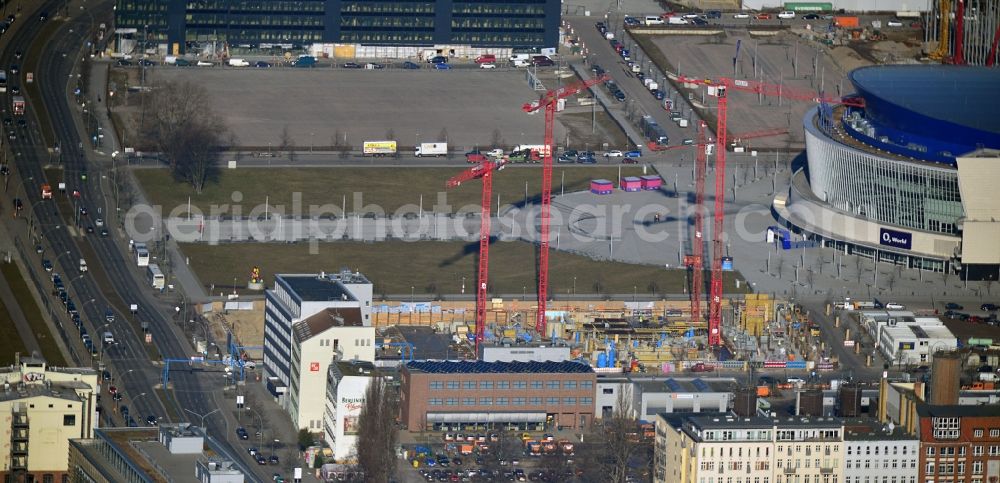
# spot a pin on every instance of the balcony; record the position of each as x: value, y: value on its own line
x: 825, y: 470
x: 19, y: 463
x: 790, y: 470
x: 19, y: 448
x: 18, y: 434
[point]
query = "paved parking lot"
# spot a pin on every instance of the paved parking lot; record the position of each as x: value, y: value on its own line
x: 416, y: 105
x: 703, y: 57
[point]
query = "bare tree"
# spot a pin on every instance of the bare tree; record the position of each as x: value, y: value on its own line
x: 810, y: 277
x: 377, y: 431
x: 614, y: 445
x: 390, y: 134
x: 497, y: 140
x: 890, y: 279
x: 857, y: 266
x: 443, y: 135
x: 780, y: 265
x: 285, y: 143
x: 184, y: 130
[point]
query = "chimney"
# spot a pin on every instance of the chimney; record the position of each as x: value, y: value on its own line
x: 918, y: 389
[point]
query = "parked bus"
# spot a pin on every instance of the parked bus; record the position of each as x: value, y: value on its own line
x: 142, y: 257
x: 3, y: 81
x: 156, y: 278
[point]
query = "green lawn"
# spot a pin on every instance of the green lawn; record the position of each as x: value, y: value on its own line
x: 10, y: 339
x: 431, y: 267
x: 387, y: 189
x: 46, y: 340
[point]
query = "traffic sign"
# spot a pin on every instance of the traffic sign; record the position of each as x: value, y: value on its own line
x: 29, y: 77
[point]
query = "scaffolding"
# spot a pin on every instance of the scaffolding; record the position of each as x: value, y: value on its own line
x: 982, y: 17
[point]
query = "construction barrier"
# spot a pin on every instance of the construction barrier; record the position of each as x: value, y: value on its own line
x: 795, y: 365
x: 774, y: 364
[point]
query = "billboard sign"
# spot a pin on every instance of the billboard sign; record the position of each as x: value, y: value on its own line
x: 895, y: 238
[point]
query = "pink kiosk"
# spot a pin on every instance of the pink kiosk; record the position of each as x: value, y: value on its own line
x: 601, y: 187
x: 631, y: 184
x: 651, y: 182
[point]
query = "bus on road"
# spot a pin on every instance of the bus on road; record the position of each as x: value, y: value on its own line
x: 18, y: 106
x: 156, y: 278
x: 3, y: 81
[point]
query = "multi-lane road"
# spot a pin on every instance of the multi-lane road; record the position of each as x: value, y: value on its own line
x: 55, y: 73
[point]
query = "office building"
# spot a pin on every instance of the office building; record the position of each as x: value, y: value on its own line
x: 346, y: 386
x: 879, y: 453
x: 725, y: 448
x: 345, y: 28
x: 310, y: 320
x: 904, y: 338
x: 649, y: 396
x: 177, y: 452
x: 45, y: 408
x: 450, y: 395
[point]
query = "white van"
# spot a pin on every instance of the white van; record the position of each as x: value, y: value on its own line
x: 83, y: 265
x: 109, y: 338
x: 677, y: 21
x: 521, y: 62
x: 238, y: 63
x: 653, y: 20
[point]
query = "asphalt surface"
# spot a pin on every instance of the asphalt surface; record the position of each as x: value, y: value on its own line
x: 128, y: 360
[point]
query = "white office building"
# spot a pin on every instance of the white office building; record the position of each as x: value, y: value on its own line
x: 874, y: 453
x: 309, y: 321
x: 907, y: 339
x: 346, y: 386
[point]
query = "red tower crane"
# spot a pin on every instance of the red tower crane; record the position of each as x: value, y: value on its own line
x: 991, y: 58
x: 719, y: 88
x: 548, y: 102
x: 695, y: 261
x: 483, y: 171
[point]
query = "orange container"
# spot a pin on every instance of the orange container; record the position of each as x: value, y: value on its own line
x: 846, y: 22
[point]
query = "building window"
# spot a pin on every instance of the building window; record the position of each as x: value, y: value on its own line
x: 994, y: 450
x: 977, y: 450
x: 977, y: 433
x: 452, y: 385
x: 552, y: 384
x: 586, y: 401
x: 69, y: 420
x: 435, y: 385
x: 520, y: 384
x: 586, y: 384
x: 485, y: 384
x: 434, y: 401
x: 485, y: 401
x: 468, y: 384
x: 502, y: 401
x: 930, y: 451
x: 537, y: 384
x: 503, y: 384
x: 519, y: 401
x: 569, y: 401
x: 929, y: 469
x: 569, y: 384
x: 535, y: 401
x: 552, y: 401
x: 995, y: 433
x: 946, y: 428
x: 451, y: 401
x: 977, y: 467
x: 468, y: 401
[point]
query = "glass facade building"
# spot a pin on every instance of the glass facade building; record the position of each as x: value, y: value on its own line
x: 528, y: 25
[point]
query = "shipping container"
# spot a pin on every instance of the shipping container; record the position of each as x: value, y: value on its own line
x: 846, y: 22
x: 379, y: 148
x: 651, y: 182
x: 631, y: 184
x: 601, y: 187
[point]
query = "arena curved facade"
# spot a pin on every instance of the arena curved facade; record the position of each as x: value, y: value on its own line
x: 908, y: 179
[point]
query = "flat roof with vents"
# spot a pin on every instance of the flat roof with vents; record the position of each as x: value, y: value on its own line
x: 480, y: 367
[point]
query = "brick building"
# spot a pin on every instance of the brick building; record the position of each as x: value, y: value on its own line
x: 959, y: 444
x: 457, y: 395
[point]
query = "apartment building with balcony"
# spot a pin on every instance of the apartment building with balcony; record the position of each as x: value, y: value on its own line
x: 43, y: 408
x: 725, y: 448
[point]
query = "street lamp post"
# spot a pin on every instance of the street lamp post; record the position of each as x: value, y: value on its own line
x: 204, y: 416
x: 260, y: 427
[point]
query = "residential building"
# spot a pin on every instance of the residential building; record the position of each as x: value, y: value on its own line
x: 179, y: 26
x: 294, y: 299
x: 904, y: 338
x: 322, y: 338
x: 877, y: 453
x: 45, y: 408
x: 724, y: 448
x: 346, y: 386
x: 959, y: 444
x: 442, y: 395
x: 177, y: 452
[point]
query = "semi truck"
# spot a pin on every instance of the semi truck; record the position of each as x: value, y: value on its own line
x: 431, y: 149
x: 18, y: 105
x: 379, y: 148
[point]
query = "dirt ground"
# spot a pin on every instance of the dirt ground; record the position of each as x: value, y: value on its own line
x: 246, y: 325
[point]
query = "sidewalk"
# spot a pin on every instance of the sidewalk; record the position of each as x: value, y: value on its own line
x: 20, y: 321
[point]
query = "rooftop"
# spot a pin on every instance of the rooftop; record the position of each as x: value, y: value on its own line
x: 322, y: 287
x: 733, y: 421
x: 957, y: 411
x: 427, y: 343
x: 480, y: 367
x: 686, y: 385
x: 325, y: 319
x: 872, y: 430
x: 59, y: 390
x: 963, y: 95
x: 353, y: 368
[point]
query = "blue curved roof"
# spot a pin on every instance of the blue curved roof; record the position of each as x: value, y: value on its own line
x: 954, y: 107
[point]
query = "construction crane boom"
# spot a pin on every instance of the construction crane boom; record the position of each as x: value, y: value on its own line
x: 548, y: 102
x: 696, y: 261
x: 721, y: 88
x: 483, y: 171
x: 991, y: 58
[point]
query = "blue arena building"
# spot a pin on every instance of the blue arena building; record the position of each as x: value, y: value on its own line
x: 908, y: 179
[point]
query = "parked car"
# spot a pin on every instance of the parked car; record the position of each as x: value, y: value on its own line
x: 182, y: 63
x: 124, y: 62
x: 895, y: 23
x: 373, y: 65
x: 351, y: 65
x: 438, y: 59
x: 410, y: 65
x: 487, y: 66
x: 713, y: 14
x: 614, y: 154
x: 699, y: 21
x: 442, y: 66
x: 786, y: 15
x: 988, y: 307
x: 147, y: 63
x: 205, y: 63
x: 812, y: 16
x: 260, y: 64
x: 741, y: 15
x: 763, y: 16
x: 953, y: 306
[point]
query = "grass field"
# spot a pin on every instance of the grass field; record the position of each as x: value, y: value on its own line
x: 386, y: 188
x: 46, y: 341
x: 10, y: 339
x: 432, y: 268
